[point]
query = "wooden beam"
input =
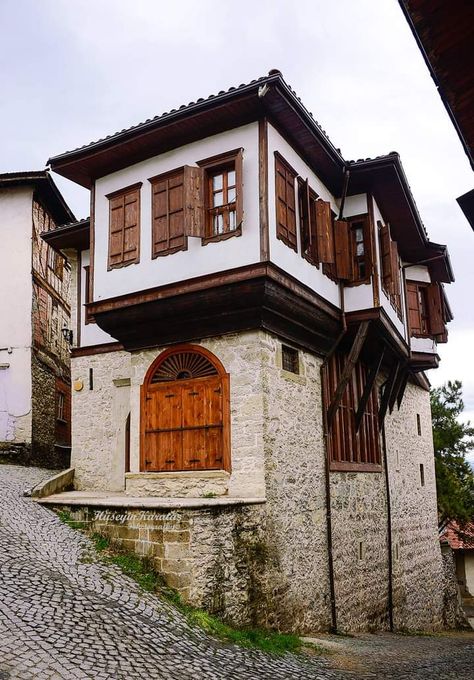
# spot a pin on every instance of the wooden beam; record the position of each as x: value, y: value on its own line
x: 371, y: 378
x: 396, y: 388
x: 346, y: 373
x: 402, y: 389
x: 389, y: 385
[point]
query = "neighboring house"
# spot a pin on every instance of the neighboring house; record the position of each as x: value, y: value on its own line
x: 461, y: 542
x: 34, y: 307
x: 444, y: 32
x: 254, y: 315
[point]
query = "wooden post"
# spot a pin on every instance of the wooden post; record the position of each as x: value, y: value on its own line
x: 371, y: 378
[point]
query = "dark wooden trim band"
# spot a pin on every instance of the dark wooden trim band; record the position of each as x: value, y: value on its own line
x: 219, y: 159
x: 200, y: 283
x: 92, y: 350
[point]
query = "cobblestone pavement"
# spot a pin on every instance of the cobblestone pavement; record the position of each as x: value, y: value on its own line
x: 64, y: 614
x: 443, y: 656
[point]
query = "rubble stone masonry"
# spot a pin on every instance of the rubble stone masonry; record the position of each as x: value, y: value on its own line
x: 278, y: 455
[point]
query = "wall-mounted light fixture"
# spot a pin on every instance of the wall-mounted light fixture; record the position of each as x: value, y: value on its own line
x: 67, y: 334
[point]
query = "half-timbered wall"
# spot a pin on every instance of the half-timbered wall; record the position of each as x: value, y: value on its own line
x: 198, y: 259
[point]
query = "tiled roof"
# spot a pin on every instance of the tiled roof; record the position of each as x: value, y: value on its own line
x: 45, y: 187
x: 459, y: 538
x: 272, y: 75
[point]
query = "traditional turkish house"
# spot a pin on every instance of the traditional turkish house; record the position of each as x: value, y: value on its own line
x: 35, y: 391
x: 253, y: 318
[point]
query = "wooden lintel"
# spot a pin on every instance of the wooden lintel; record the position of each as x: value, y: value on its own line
x: 346, y: 373
x: 388, y: 389
x: 371, y: 378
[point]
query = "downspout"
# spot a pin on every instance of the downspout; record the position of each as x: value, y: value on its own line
x: 325, y: 400
x: 389, y: 530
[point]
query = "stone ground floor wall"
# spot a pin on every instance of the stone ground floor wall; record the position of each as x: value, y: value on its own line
x: 44, y: 451
x: 278, y: 453
x: 418, y: 575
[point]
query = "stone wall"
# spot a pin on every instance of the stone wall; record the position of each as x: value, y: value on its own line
x: 43, y: 448
x: 295, y: 491
x: 417, y: 565
x: 214, y: 556
x: 100, y: 406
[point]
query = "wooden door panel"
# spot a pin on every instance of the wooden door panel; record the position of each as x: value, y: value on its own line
x: 184, y: 425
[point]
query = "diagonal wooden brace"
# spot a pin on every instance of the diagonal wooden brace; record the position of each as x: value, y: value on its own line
x: 371, y: 378
x: 388, y: 389
x: 346, y: 373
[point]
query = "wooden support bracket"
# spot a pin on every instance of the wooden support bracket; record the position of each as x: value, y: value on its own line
x: 371, y: 378
x: 388, y: 389
x: 396, y: 387
x: 346, y: 373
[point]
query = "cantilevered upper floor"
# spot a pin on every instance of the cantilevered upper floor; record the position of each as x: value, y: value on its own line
x: 237, y: 212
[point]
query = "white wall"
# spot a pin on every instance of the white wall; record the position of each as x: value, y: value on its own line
x: 421, y: 273
x: 281, y: 254
x: 15, y: 314
x: 91, y: 334
x: 400, y: 325
x: 197, y: 260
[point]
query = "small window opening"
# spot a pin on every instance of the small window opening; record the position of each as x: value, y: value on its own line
x: 418, y: 424
x: 361, y: 551
x: 91, y: 378
x: 60, y: 406
x: 397, y: 552
x: 290, y: 361
x: 422, y: 474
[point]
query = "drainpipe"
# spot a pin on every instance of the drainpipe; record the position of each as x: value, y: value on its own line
x: 389, y: 531
x: 332, y: 589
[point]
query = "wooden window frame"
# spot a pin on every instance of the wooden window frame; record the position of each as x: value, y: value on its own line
x: 345, y: 446
x: 88, y: 318
x: 421, y: 295
x: 60, y: 406
x: 225, y: 162
x: 166, y: 177
x: 225, y: 382
x: 307, y: 199
x: 117, y: 194
x: 287, y: 227
x: 290, y: 360
x: 356, y: 280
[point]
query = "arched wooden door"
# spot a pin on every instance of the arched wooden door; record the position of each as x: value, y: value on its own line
x: 185, y: 412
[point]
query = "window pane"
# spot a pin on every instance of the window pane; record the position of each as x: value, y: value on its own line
x: 359, y: 235
x: 218, y: 199
x: 232, y: 220
x: 360, y: 249
x: 217, y: 182
x: 231, y: 178
x: 218, y: 224
x: 231, y: 195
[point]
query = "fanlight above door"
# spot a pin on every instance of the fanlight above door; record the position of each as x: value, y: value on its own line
x: 184, y: 366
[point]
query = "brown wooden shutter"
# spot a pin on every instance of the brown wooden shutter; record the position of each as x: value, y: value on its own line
x: 386, y: 257
x: 194, y: 215
x: 342, y: 250
x: 325, y: 231
x: 239, y: 182
x: 414, y: 311
x: 435, y: 309
x: 305, y: 223
x: 285, y: 203
x: 124, y: 227
x: 395, y: 268
x: 168, y: 214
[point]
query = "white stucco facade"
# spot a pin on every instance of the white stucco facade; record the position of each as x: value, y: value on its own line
x: 15, y: 312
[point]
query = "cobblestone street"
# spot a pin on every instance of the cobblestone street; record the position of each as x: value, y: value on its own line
x: 65, y: 614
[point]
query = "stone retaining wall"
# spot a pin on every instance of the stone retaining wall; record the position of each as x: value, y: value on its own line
x: 214, y: 557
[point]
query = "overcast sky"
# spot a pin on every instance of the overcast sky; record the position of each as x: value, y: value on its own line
x: 74, y: 71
